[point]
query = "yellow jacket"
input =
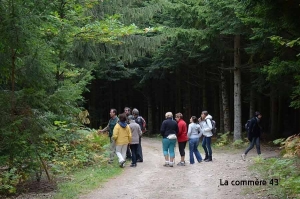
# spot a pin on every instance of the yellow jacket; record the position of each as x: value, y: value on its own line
x: 122, y: 135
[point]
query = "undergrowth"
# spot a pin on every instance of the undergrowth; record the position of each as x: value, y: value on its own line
x: 226, y: 140
x: 84, y: 180
x: 285, y: 169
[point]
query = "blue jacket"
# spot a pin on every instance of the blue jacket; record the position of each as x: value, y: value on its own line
x: 168, y: 127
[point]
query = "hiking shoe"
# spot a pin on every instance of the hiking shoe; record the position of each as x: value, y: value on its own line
x: 243, y: 156
x: 181, y: 164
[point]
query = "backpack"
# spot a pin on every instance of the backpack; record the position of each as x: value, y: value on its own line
x: 213, y: 124
x: 141, y: 121
x: 247, y: 125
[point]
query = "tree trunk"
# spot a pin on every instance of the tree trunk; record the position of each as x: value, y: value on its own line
x: 237, y: 89
x: 13, y: 69
x: 178, y: 90
x: 150, y: 117
x: 225, y: 102
x: 274, y: 112
x: 252, y: 103
x: 216, y: 105
x: 187, y: 103
x: 252, y: 97
x: 221, y: 126
x: 280, y: 118
x: 204, y: 97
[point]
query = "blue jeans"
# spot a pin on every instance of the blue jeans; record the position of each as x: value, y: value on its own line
x: 193, y: 145
x: 139, y: 152
x: 168, y: 147
x: 133, y: 148
x: 206, y: 145
x: 255, y: 141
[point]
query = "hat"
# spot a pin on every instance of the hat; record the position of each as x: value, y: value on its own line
x: 130, y: 117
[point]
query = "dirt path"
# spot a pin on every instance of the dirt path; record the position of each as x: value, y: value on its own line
x: 151, y: 180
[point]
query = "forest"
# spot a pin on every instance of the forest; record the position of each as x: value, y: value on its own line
x: 65, y: 63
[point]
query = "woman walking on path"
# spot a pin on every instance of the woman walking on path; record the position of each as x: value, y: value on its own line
x: 194, y: 134
x: 136, y: 133
x: 206, y: 127
x: 122, y: 137
x: 169, y: 127
x: 181, y: 137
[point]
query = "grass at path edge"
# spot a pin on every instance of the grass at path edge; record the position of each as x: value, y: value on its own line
x: 85, y: 180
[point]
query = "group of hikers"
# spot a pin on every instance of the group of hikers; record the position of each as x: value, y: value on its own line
x: 196, y: 128
x: 125, y: 132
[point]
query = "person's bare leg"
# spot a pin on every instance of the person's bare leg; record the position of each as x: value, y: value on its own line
x: 182, y: 158
x: 171, y: 163
x: 166, y: 160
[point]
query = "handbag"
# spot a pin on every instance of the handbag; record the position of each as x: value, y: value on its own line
x: 172, y: 137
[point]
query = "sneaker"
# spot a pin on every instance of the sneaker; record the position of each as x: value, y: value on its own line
x: 243, y: 156
x: 171, y: 164
x: 139, y: 160
x: 133, y: 165
x: 166, y: 164
x: 181, y: 164
x: 122, y: 164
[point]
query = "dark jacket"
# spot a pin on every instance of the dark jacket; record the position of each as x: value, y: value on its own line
x: 254, y: 128
x: 168, y: 127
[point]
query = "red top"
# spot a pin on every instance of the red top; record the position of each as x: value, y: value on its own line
x: 182, y: 131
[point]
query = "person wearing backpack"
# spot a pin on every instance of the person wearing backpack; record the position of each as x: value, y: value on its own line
x: 254, y: 133
x: 206, y: 128
x: 141, y: 121
x: 136, y: 133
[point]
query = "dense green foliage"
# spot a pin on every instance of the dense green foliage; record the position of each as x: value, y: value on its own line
x: 42, y: 85
x: 194, y: 64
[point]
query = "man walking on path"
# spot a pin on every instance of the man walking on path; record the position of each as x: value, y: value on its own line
x: 254, y: 133
x: 110, y: 127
